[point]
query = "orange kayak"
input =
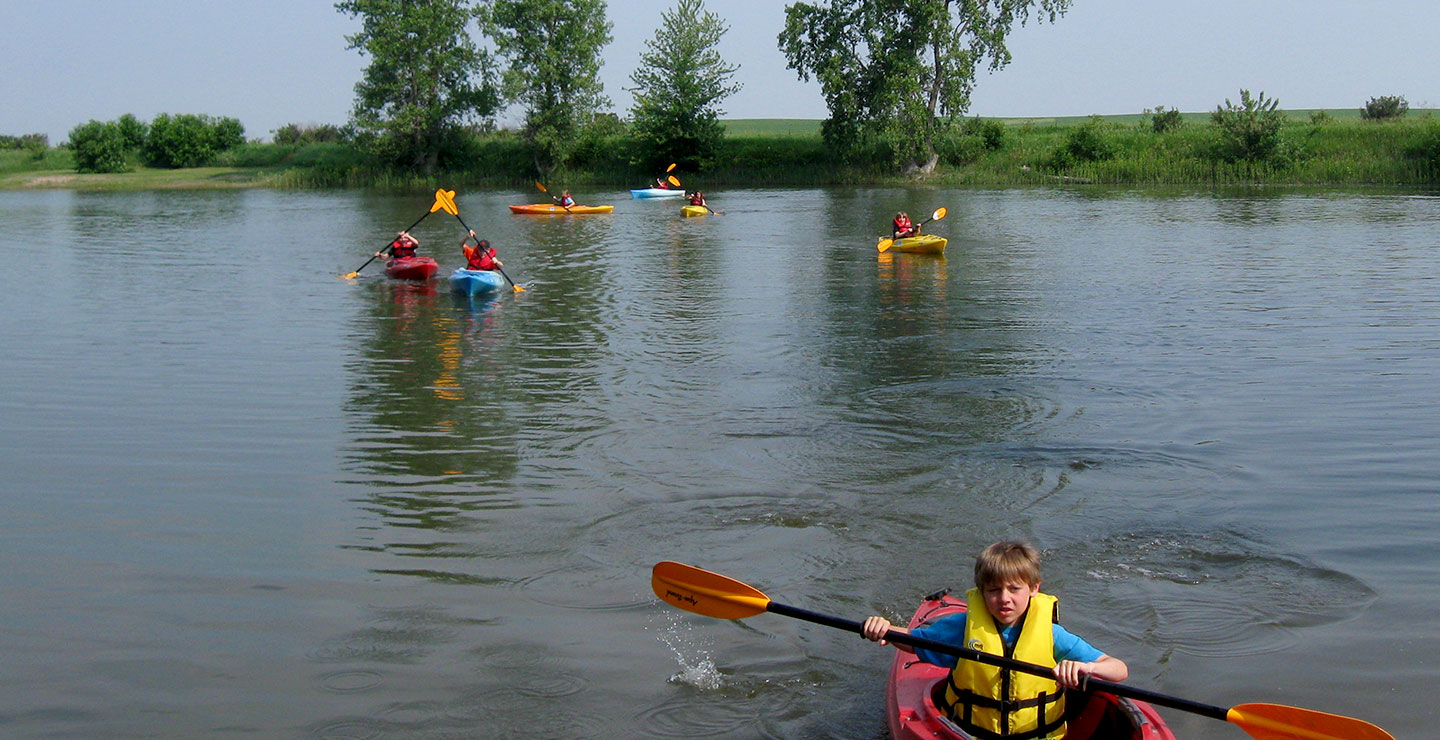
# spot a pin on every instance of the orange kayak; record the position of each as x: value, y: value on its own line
x: 552, y: 208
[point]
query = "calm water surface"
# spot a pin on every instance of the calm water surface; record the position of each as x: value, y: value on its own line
x: 243, y: 497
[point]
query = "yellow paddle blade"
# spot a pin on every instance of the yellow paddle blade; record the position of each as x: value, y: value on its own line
x: 1279, y: 722
x: 884, y: 244
x: 350, y: 276
x: 938, y: 214
x: 445, y: 201
x: 674, y: 180
x: 519, y: 289
x: 703, y: 592
x: 671, y: 167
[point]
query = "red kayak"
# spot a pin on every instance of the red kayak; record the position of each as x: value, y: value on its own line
x: 910, y: 698
x: 411, y: 268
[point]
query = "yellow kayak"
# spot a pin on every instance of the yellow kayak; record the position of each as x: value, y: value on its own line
x: 688, y: 211
x: 552, y: 208
x: 923, y: 244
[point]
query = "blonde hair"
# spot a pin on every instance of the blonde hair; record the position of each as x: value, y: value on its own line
x: 1008, y: 561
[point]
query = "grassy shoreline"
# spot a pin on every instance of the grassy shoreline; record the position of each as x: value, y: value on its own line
x: 1332, y: 149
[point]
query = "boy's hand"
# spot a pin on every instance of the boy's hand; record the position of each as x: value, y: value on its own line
x: 875, y: 628
x: 1070, y: 673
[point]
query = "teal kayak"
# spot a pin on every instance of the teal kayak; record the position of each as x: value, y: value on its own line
x: 657, y: 193
x: 476, y: 282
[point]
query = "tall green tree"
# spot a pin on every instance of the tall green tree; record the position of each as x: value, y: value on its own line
x: 893, y: 72
x: 679, y: 85
x: 552, y: 51
x: 426, y: 78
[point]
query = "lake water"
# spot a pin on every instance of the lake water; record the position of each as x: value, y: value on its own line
x: 243, y: 497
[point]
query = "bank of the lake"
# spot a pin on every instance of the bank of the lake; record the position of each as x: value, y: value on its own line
x: 1314, y: 148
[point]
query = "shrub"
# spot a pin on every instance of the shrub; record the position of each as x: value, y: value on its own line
x: 1163, y: 120
x: 98, y: 146
x: 189, y: 140
x: 133, y: 130
x: 294, y: 133
x: 1250, y: 131
x: 990, y: 131
x: 1088, y: 142
x: 1385, y: 107
x: 1427, y: 151
x: 1321, y: 118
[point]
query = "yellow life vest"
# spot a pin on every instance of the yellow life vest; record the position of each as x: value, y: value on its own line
x: 991, y: 702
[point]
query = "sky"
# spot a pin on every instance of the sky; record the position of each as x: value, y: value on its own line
x: 273, y: 62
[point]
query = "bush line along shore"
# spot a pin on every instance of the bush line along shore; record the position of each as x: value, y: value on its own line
x: 1159, y: 148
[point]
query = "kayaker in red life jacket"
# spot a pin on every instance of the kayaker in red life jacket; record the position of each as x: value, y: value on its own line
x: 697, y: 198
x: 1000, y: 620
x: 403, y: 246
x: 662, y: 183
x: 565, y: 200
x: 482, y: 256
x: 902, y: 227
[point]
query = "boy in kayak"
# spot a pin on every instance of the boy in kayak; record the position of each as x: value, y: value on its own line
x: 902, y: 227
x: 565, y: 200
x: 403, y: 246
x: 482, y: 256
x: 1007, y: 615
x: 662, y: 183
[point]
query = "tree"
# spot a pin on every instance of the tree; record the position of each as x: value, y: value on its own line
x: 1250, y: 131
x: 679, y: 85
x: 426, y: 78
x: 188, y: 140
x: 893, y: 72
x: 99, y: 146
x: 552, y: 49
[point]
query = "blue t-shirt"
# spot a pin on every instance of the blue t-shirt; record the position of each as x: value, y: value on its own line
x: 951, y: 630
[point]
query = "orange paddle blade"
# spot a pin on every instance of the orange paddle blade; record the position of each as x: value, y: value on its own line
x: 445, y: 201
x: 542, y: 188
x: 885, y: 244
x: 671, y: 167
x: 674, y: 180
x: 938, y: 214
x: 1279, y: 722
x: 703, y: 592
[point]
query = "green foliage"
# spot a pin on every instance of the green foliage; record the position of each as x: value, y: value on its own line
x: 553, y: 54
x: 1384, y: 108
x: 990, y: 131
x: 1321, y: 118
x: 891, y: 71
x: 1088, y: 142
x: 678, y: 88
x: 99, y: 146
x: 426, y: 78
x: 1250, y: 131
x: 1426, y: 150
x: 188, y: 140
x: 1162, y: 120
x: 133, y: 129
x: 298, y: 135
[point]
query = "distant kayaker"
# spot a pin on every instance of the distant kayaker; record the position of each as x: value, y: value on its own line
x: 902, y: 227
x: 662, y: 183
x: 482, y: 256
x: 1000, y: 620
x: 403, y: 246
x: 565, y: 200
x: 697, y: 198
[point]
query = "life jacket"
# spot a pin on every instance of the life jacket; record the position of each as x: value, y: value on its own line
x: 566, y: 201
x: 697, y: 200
x: 478, y: 260
x: 903, y: 227
x: 400, y: 248
x: 662, y: 184
x: 991, y: 702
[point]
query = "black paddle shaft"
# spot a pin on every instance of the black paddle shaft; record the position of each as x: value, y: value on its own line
x: 382, y: 250
x: 935, y: 646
